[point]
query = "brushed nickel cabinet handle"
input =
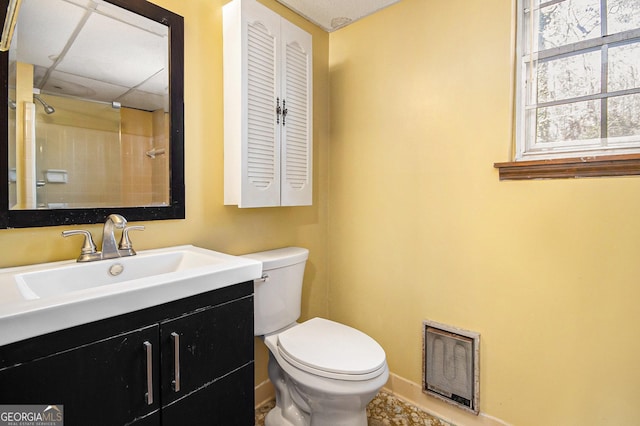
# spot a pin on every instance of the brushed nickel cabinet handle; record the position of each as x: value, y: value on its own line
x: 149, y: 352
x: 176, y: 361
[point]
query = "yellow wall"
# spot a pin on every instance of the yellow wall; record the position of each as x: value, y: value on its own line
x: 419, y: 225
x: 209, y: 223
x: 421, y: 228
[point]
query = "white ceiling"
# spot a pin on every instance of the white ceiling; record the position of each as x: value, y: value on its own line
x: 334, y: 14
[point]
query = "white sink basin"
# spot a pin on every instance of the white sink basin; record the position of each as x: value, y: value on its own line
x: 42, y: 298
x: 60, y: 279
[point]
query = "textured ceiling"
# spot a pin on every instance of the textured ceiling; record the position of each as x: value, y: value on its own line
x: 334, y: 14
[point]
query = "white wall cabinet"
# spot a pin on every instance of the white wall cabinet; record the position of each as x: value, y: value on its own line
x: 267, y: 108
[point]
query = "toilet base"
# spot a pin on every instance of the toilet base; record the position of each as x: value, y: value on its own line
x: 275, y: 418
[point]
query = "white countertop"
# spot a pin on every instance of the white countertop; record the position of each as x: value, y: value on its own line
x: 21, y: 318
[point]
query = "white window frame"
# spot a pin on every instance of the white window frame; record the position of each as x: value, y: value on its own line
x: 526, y: 147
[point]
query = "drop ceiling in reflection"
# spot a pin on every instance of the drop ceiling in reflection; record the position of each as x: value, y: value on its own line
x: 93, y: 50
x: 334, y: 14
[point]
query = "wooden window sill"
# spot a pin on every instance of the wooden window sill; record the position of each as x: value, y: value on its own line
x: 610, y: 165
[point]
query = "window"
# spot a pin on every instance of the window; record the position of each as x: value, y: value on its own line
x: 580, y: 78
x: 578, y: 73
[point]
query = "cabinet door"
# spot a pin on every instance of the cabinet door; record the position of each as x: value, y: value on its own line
x: 228, y: 401
x: 296, y: 142
x: 210, y: 343
x: 261, y: 150
x: 102, y: 383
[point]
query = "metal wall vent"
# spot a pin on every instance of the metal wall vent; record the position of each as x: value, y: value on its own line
x: 450, y: 365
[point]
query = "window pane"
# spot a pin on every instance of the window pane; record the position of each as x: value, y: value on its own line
x: 575, y: 121
x: 623, y: 116
x: 568, y: 77
x: 623, y: 15
x: 568, y: 22
x: 624, y: 67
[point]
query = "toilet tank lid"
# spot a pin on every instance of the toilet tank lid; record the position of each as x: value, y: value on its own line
x: 279, y: 258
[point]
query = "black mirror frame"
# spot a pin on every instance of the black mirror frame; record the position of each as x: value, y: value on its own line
x: 55, y: 217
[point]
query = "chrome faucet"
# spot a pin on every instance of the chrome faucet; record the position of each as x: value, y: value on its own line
x: 110, y: 250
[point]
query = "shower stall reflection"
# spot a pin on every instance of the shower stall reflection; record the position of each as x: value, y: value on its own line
x: 94, y: 154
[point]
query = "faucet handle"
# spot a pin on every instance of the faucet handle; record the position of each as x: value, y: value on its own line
x: 88, y: 247
x: 125, y: 242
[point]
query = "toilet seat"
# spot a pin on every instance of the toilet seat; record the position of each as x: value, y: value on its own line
x: 333, y: 350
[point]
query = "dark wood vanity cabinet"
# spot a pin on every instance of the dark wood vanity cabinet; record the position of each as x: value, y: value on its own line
x: 96, y: 383
x: 215, y: 353
x: 193, y: 356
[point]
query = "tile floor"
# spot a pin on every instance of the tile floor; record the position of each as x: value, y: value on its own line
x: 385, y: 409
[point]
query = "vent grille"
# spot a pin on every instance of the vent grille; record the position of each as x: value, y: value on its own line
x: 261, y: 127
x: 297, y: 138
x: 450, y: 365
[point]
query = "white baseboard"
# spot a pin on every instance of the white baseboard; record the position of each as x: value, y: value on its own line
x: 412, y: 393
x: 264, y: 392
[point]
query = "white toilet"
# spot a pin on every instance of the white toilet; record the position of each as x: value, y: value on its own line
x: 324, y: 373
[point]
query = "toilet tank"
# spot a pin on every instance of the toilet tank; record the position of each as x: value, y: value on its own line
x: 278, y: 295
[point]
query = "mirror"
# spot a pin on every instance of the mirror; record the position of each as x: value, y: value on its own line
x: 94, y: 113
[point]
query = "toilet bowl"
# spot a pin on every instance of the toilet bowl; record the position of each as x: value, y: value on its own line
x: 324, y: 373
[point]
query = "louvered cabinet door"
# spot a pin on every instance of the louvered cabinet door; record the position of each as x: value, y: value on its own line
x: 261, y: 147
x: 296, y: 79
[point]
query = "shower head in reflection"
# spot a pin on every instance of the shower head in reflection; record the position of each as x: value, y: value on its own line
x: 47, y: 108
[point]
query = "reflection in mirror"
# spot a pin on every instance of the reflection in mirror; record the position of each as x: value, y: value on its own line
x: 94, y: 115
